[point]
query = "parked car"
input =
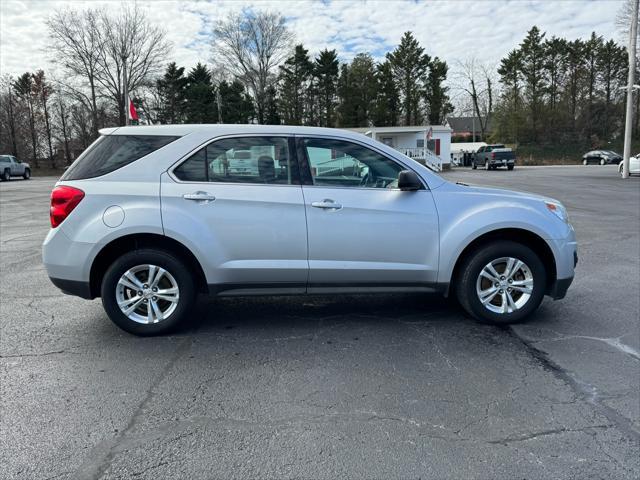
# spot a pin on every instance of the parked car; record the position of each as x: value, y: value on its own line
x: 10, y: 166
x: 146, y: 220
x: 494, y: 156
x: 601, y: 157
x: 634, y: 165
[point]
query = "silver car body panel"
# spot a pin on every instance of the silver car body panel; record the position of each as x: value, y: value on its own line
x: 269, y: 238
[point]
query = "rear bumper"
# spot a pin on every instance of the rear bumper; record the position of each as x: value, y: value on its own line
x: 73, y: 287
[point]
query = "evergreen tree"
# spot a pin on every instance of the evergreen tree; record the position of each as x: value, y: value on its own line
x: 410, y: 64
x: 436, y: 96
x: 591, y: 56
x: 388, y: 97
x: 271, y: 116
x: 533, y: 55
x: 236, y: 105
x: 200, y: 96
x: 325, y: 70
x: 172, y: 91
x: 294, y: 81
x: 358, y: 91
x: 612, y: 65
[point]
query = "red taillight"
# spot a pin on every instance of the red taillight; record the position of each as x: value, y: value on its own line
x: 493, y: 155
x: 63, y: 200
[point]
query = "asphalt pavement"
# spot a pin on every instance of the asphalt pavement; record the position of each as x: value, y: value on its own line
x: 381, y: 386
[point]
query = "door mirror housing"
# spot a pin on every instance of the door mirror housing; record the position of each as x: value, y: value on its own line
x: 408, y: 180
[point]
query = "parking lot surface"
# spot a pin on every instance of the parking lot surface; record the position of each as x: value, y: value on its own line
x: 384, y: 386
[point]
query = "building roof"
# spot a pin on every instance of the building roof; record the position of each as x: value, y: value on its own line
x: 465, y: 124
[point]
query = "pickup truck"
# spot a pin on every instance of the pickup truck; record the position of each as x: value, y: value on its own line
x: 493, y: 156
x: 10, y: 166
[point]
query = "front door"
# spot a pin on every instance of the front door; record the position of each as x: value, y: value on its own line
x: 247, y: 225
x: 363, y: 231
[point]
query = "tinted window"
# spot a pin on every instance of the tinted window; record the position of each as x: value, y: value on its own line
x: 345, y: 164
x: 111, y: 152
x: 261, y: 160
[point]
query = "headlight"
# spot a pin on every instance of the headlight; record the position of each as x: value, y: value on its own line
x: 558, y: 210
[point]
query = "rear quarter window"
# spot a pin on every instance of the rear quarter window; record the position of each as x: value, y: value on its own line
x: 111, y: 152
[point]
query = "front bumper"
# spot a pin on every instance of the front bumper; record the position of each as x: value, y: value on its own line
x: 566, y: 255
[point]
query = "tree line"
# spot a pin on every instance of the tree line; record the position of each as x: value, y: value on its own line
x: 546, y: 90
x: 559, y: 90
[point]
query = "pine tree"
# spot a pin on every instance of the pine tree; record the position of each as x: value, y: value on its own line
x: 200, y: 96
x: 436, y: 96
x: 271, y: 116
x: 325, y: 70
x: 236, y: 104
x: 410, y: 64
x: 172, y: 90
x: 533, y: 55
x: 612, y: 65
x: 388, y: 97
x: 294, y: 80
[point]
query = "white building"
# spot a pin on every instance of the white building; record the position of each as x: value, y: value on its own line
x: 415, y: 143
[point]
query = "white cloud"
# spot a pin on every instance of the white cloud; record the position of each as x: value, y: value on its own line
x: 452, y: 30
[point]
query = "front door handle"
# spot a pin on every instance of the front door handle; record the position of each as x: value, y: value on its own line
x: 199, y: 196
x: 327, y: 204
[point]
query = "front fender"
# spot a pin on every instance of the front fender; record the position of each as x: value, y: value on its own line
x: 465, y: 218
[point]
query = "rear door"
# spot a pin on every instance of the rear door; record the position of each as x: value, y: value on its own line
x: 364, y: 232
x: 247, y: 227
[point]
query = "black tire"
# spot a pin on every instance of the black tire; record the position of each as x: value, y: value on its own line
x: 168, y: 261
x: 510, y: 167
x: 27, y: 174
x: 470, y: 271
x: 474, y: 166
x: 6, y: 175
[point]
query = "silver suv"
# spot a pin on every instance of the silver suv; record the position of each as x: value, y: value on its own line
x: 148, y: 217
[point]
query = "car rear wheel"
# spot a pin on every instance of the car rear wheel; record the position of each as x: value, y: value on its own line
x: 501, y: 283
x: 148, y: 292
x: 602, y: 161
x: 510, y: 167
x: 585, y: 162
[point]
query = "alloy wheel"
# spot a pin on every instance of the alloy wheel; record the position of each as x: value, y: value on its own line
x: 147, y: 294
x: 504, y: 285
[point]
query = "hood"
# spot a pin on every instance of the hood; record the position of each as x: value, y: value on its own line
x: 499, y: 192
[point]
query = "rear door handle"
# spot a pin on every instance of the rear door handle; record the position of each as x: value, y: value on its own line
x: 327, y: 204
x: 199, y: 196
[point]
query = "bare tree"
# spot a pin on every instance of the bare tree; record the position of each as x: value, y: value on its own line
x: 623, y: 21
x: 477, y: 81
x: 43, y: 91
x: 8, y: 113
x: 134, y: 49
x: 77, y: 42
x: 250, y: 47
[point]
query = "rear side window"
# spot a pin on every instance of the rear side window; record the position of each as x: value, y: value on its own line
x: 112, y: 152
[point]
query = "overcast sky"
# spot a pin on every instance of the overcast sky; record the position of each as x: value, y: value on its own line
x: 454, y: 30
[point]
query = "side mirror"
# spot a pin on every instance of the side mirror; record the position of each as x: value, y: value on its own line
x: 408, y: 180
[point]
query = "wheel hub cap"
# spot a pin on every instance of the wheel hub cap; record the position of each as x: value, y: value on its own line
x: 147, y: 294
x: 504, y: 285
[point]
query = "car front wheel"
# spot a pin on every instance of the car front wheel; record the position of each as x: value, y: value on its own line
x: 6, y: 175
x: 27, y: 174
x: 602, y: 161
x: 585, y: 162
x: 148, y: 292
x: 501, y: 283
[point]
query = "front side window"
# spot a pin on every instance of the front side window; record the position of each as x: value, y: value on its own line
x: 254, y: 160
x: 111, y: 152
x: 345, y: 164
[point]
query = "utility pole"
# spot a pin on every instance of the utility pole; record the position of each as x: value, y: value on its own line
x: 631, y: 49
x: 125, y: 89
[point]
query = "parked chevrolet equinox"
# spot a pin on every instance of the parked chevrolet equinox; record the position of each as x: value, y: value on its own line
x: 149, y: 217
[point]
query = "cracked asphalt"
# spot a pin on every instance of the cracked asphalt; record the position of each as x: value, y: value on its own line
x: 383, y: 386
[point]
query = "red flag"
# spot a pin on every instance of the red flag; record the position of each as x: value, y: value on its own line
x: 132, y: 113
